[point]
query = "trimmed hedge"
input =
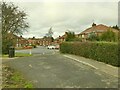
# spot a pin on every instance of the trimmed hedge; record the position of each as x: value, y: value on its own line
x: 100, y: 51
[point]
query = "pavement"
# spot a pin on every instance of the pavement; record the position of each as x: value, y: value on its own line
x: 50, y: 69
x: 109, y: 69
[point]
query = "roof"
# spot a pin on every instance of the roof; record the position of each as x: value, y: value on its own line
x: 62, y: 37
x: 98, y: 28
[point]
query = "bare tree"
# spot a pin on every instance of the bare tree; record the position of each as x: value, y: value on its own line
x: 13, y: 22
x: 50, y: 32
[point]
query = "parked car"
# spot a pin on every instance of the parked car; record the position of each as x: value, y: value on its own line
x: 51, y: 47
x: 57, y: 47
x: 27, y: 47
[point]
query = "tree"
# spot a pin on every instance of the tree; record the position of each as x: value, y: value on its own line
x: 109, y: 35
x: 50, y: 32
x: 13, y: 22
x: 93, y: 37
x: 49, y: 36
x: 116, y: 27
x: 70, y: 36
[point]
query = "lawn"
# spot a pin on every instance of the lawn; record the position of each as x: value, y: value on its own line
x: 17, y: 55
x: 13, y: 79
x: 22, y: 55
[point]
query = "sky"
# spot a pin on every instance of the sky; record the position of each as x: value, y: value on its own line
x: 70, y: 15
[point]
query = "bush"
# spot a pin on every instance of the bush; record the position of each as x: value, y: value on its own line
x: 5, y: 46
x: 109, y: 35
x: 101, y: 51
x: 93, y: 37
x: 70, y: 36
x: 34, y: 46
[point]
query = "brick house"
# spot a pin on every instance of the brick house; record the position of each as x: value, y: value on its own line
x: 97, y: 29
x: 18, y: 41
x: 60, y: 39
x: 32, y: 41
x: 40, y: 41
x: 21, y: 42
x: 45, y: 41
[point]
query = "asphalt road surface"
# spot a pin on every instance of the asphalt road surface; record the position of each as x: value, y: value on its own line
x: 50, y: 69
x: 38, y: 50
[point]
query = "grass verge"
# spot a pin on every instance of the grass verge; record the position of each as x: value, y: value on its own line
x: 13, y: 79
x: 22, y: 55
x: 17, y: 55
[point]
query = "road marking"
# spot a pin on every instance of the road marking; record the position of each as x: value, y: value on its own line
x: 81, y: 61
x: 30, y: 65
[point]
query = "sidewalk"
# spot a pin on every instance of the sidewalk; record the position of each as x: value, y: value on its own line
x: 109, y: 69
x: 6, y: 59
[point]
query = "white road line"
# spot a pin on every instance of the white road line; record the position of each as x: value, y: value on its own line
x: 81, y: 61
x: 30, y: 65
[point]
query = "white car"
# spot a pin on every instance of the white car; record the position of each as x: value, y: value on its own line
x: 51, y: 47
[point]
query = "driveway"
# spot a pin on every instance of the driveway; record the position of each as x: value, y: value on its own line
x: 50, y: 69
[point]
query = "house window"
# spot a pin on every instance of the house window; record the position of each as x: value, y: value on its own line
x: 83, y: 36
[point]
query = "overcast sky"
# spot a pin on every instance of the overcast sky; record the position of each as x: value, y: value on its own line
x: 63, y: 16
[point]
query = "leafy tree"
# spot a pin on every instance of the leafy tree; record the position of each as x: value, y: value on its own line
x: 116, y: 27
x: 109, y: 35
x: 70, y: 36
x: 93, y: 37
x: 13, y: 22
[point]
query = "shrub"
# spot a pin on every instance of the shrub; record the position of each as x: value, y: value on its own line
x: 34, y: 46
x: 101, y: 51
x: 93, y: 37
x: 70, y: 36
x: 109, y: 35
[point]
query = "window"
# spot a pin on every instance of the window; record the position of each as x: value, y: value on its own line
x: 83, y: 36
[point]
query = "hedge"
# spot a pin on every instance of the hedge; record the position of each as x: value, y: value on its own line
x: 100, y: 51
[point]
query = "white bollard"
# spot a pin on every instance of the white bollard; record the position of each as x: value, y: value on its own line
x: 30, y: 52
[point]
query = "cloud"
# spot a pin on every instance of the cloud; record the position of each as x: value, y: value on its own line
x: 76, y: 16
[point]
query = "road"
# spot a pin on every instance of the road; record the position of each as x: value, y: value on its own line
x: 38, y: 50
x: 50, y: 69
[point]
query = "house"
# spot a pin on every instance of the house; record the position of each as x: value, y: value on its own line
x: 18, y: 41
x: 40, y: 41
x: 21, y: 42
x: 32, y: 41
x: 60, y: 39
x: 45, y: 41
x: 97, y: 29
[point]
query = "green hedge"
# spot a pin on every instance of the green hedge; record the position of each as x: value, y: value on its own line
x: 100, y: 51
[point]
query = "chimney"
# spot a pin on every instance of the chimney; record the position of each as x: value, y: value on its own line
x: 93, y: 24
